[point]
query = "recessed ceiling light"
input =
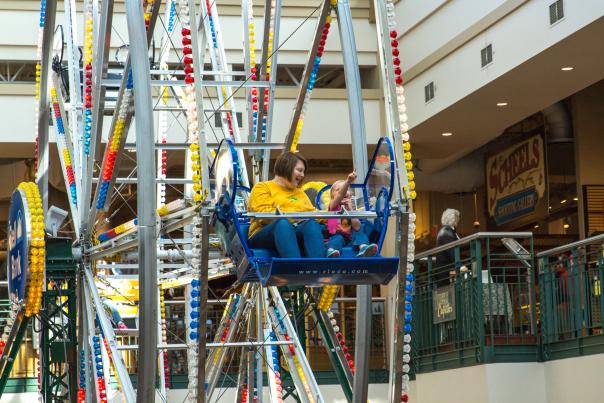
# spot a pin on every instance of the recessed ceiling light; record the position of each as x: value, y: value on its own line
x: 447, y: 134
x: 567, y: 68
x: 563, y: 201
x: 566, y: 226
x: 575, y: 198
x: 536, y: 226
x: 502, y: 104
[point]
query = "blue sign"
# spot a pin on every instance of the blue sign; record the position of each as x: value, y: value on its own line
x: 18, y: 247
x: 516, y: 205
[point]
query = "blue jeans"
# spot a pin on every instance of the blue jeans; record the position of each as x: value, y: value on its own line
x: 338, y: 241
x: 288, y: 239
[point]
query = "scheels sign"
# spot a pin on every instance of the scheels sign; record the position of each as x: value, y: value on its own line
x: 516, y: 180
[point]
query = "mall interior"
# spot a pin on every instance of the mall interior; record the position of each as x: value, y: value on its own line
x: 481, y: 122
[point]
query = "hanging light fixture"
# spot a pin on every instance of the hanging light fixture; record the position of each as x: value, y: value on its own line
x: 476, y: 221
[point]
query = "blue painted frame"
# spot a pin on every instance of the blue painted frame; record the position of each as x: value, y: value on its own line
x: 226, y: 212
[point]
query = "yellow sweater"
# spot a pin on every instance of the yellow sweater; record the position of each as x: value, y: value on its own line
x: 266, y: 197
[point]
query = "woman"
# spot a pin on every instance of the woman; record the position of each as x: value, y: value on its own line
x: 283, y: 193
x: 445, y: 260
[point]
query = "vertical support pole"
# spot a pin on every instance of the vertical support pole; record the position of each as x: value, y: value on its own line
x: 396, y: 346
x: 90, y: 333
x: 147, y: 242
x: 160, y: 359
x: 359, y: 156
x: 203, y: 306
x: 266, y: 154
x: 245, y: 5
x: 477, y: 277
x: 83, y: 335
x: 43, y: 151
x: 532, y: 291
x: 260, y: 338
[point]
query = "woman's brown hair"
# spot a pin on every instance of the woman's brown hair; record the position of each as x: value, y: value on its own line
x: 286, y: 163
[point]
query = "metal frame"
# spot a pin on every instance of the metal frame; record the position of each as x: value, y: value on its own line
x: 146, y: 200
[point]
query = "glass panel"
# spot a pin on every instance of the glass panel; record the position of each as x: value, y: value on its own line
x: 379, y: 176
x: 223, y: 172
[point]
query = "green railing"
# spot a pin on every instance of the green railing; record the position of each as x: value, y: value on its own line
x: 474, y: 302
x: 570, y: 285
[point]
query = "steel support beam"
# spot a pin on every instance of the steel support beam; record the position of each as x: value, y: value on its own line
x: 303, y: 361
x: 266, y: 154
x: 359, y: 156
x: 146, y: 200
x: 201, y: 138
x: 46, y: 62
x: 392, y: 116
x: 92, y: 295
x: 68, y: 144
x: 398, y: 311
x: 325, y: 9
x: 203, y: 303
x: 75, y: 90
x: 99, y: 72
x: 127, y: 121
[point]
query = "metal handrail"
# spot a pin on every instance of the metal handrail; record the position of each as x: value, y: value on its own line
x: 572, y: 245
x: 470, y: 238
x: 309, y: 215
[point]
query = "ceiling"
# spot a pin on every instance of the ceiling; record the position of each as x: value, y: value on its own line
x: 539, y: 82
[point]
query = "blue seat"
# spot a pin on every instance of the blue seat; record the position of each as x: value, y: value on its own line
x: 264, y: 266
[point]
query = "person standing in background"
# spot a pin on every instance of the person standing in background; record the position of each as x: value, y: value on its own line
x: 445, y: 260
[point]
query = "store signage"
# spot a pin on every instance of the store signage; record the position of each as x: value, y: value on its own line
x: 443, y: 304
x: 18, y: 247
x: 516, y: 180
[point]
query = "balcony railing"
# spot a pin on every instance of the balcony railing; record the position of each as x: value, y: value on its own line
x: 474, y: 302
x: 570, y: 285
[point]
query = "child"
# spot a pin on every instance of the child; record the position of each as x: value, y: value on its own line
x: 346, y: 231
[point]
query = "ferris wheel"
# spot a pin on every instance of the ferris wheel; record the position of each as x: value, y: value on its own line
x: 190, y: 227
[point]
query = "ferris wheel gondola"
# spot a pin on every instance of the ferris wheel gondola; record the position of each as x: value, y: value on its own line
x: 232, y: 222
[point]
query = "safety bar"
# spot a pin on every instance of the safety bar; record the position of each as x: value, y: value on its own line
x: 306, y: 215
